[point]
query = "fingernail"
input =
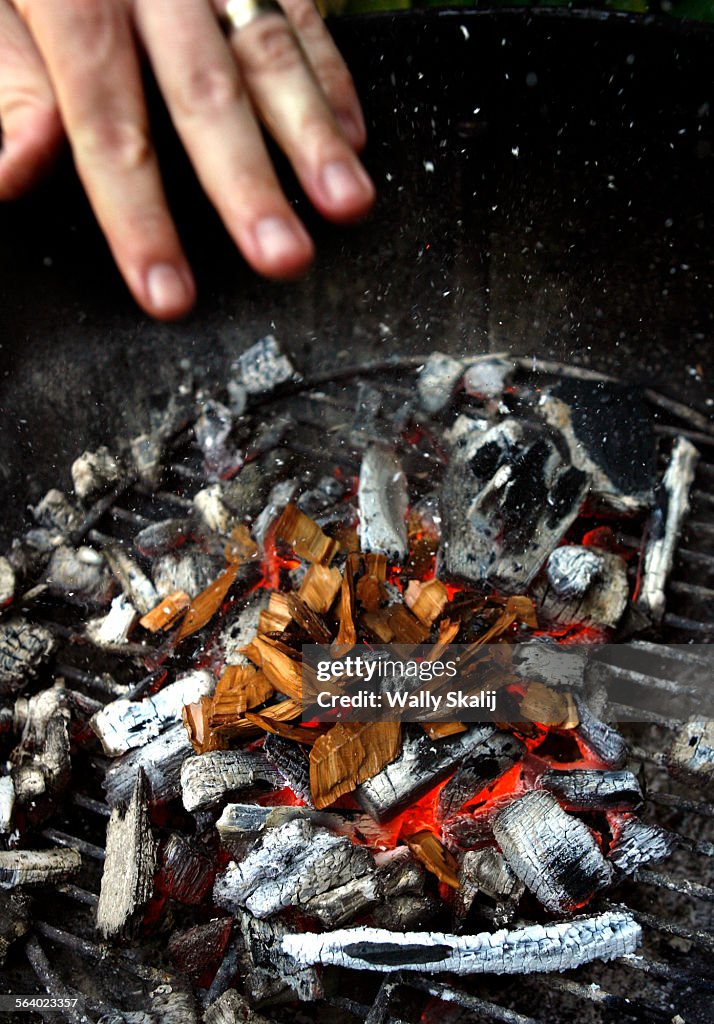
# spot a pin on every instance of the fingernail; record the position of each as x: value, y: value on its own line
x: 277, y: 239
x: 166, y: 288
x: 344, y: 184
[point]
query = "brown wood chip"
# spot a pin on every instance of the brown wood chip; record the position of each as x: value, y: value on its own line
x: 426, y: 600
x: 440, y: 730
x: 350, y: 753
x: 205, y: 605
x: 308, y: 620
x: 281, y: 670
x: 166, y: 612
x: 434, y: 856
x: 241, y: 547
x: 545, y: 706
x: 305, y: 536
x: 196, y: 720
x: 377, y: 623
x: 407, y: 627
x: 239, y: 688
x: 297, y: 733
x: 347, y: 633
x: 276, y: 616
x: 320, y: 587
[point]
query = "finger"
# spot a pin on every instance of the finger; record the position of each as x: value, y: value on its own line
x: 91, y: 59
x: 294, y: 109
x: 31, y: 126
x: 329, y: 68
x: 214, y: 117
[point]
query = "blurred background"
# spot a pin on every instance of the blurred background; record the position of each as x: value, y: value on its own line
x: 701, y: 10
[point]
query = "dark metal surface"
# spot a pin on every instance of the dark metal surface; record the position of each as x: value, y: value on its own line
x: 545, y: 187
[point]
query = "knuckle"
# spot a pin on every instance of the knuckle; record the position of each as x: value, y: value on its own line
x: 207, y: 90
x: 272, y: 46
x: 124, y: 143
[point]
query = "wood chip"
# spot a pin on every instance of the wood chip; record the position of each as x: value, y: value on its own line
x: 448, y: 631
x: 297, y: 733
x: 308, y: 620
x: 205, y: 605
x: 371, y: 593
x: 305, y: 536
x: 241, y: 547
x: 166, y: 612
x: 347, y: 632
x: 378, y: 625
x: 547, y: 707
x: 320, y: 587
x: 350, y: 753
x: 281, y: 670
x: 426, y: 600
x: 434, y: 856
x: 440, y: 730
x: 196, y: 719
x: 240, y: 687
x: 276, y: 616
x: 407, y: 627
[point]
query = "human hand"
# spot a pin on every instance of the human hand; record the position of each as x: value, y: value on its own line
x: 73, y: 67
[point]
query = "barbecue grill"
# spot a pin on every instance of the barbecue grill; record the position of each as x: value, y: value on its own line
x: 545, y: 193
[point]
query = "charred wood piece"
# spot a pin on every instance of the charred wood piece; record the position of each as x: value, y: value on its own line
x: 692, y: 755
x: 572, y: 569
x: 212, y: 430
x: 232, y: 1008
x: 301, y: 866
x: 113, y: 629
x: 37, y: 867
x: 125, y: 724
x: 7, y: 803
x: 422, y: 763
x: 672, y: 505
x: 508, y: 498
x: 488, y: 762
x: 137, y: 587
x: 79, y: 575
x: 487, y: 378
x: 208, y: 778
x: 325, y: 495
x: 162, y: 537
x: 403, y: 904
x: 42, y: 764
x: 212, y: 513
x: 14, y: 920
x: 127, y: 880
x: 189, y: 569
x: 263, y: 366
x: 56, y: 513
x: 383, y: 502
x: 197, y: 952
x: 292, y: 764
x: 553, y: 947
x: 437, y: 381
x: 186, y: 872
x: 94, y: 473
x: 161, y: 761
x: 486, y: 871
x: 552, y: 852
x: 601, y: 604
x: 602, y: 739
x: 636, y: 844
x: 7, y: 582
x: 268, y: 974
x: 24, y: 646
x: 581, y: 789
x: 609, y: 433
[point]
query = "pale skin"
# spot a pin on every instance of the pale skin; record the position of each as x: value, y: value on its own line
x: 71, y: 68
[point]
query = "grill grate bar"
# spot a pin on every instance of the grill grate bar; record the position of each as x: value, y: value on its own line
x: 101, y: 684
x: 692, y: 589
x: 449, y: 994
x: 52, y: 982
x: 696, y: 436
x: 649, y: 681
x: 685, y: 887
x: 92, y: 951
x: 681, y: 411
x: 602, y: 997
x: 688, y: 625
x: 681, y: 803
x: 661, y: 969
x: 87, y: 803
x: 78, y: 894
x: 696, y: 936
x: 73, y: 843
x: 626, y: 713
x: 673, y: 652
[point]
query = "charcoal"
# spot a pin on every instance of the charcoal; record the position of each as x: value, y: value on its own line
x: 42, y: 765
x: 692, y: 755
x: 245, y: 822
x: 79, y: 575
x: 508, y: 498
x: 292, y: 763
x: 421, y: 764
x: 328, y: 491
x: 24, y: 646
x: 124, y: 724
x: 553, y: 947
x: 407, y: 910
x: 162, y: 537
x: 187, y: 873
x: 403, y: 904
x: 280, y: 496
x: 603, y: 740
x: 7, y: 582
x: 487, y: 377
x: 267, y: 973
x: 128, y: 876
x: 240, y: 626
x: 212, y: 430
x: 137, y: 587
x: 581, y: 789
x: 147, y: 452
x: 548, y: 662
x: 491, y: 759
x: 37, y: 867
x: 56, y: 513
x: 197, y: 952
x: 7, y: 803
x: 246, y: 494
x: 270, y: 434
x: 161, y: 761
x: 167, y: 1003
x: 636, y: 844
x: 232, y: 1008
x: 437, y: 381
x: 14, y: 920
x: 94, y: 473
x: 551, y: 851
x: 263, y: 366
x: 602, y: 603
x: 208, y: 778
x: 672, y: 505
x: 189, y: 569
x: 212, y: 513
x: 486, y: 871
x: 237, y: 397
x: 383, y: 502
x: 296, y: 865
x: 113, y: 629
x: 572, y: 568
x: 609, y: 433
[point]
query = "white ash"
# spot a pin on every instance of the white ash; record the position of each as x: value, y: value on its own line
x: 437, y: 381
x: 113, y: 629
x: 535, y: 948
x: 94, y: 473
x: 637, y: 843
x: 7, y: 581
x: 162, y: 537
x: 136, y: 585
x: 692, y: 755
x: 79, y: 575
x: 241, y: 628
x: 128, y: 874
x: 572, y: 568
x: 237, y: 397
x: 24, y: 646
x: 124, y: 724
x: 383, y: 502
x: 161, y: 761
x: 208, y: 778
x: 147, y: 452
x: 602, y: 739
x: 56, y: 513
x: 465, y: 426
x: 263, y: 366
x: 601, y: 606
x: 280, y: 496
x: 7, y: 803
x: 189, y: 569
x: 551, y: 851
x: 213, y: 514
x: 212, y: 430
x: 37, y: 867
x: 487, y: 378
x: 672, y: 505
x: 584, y: 788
